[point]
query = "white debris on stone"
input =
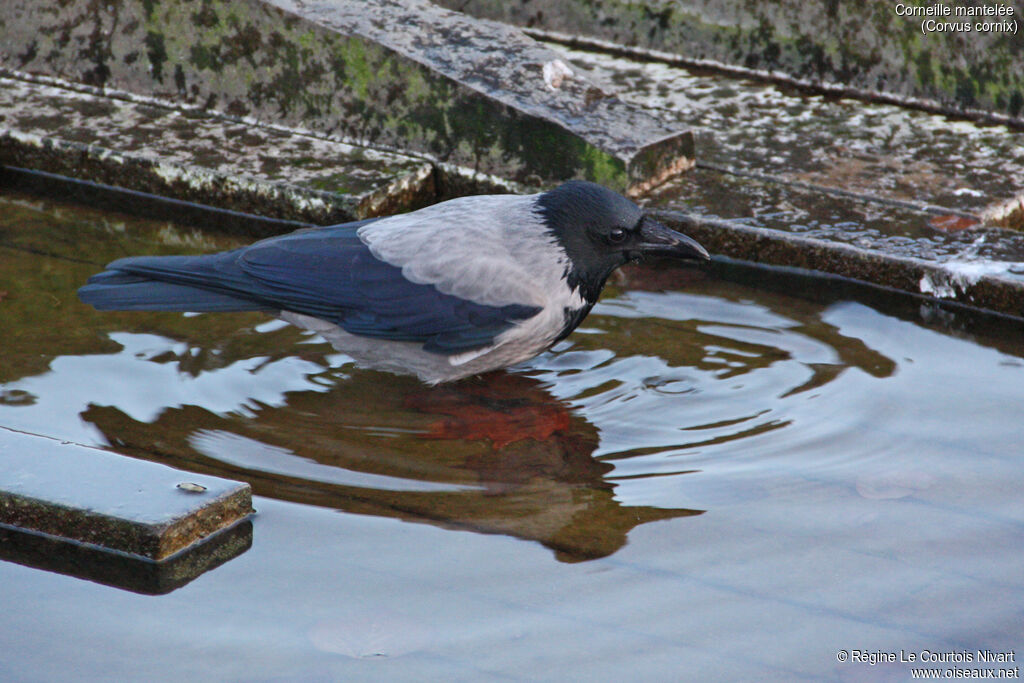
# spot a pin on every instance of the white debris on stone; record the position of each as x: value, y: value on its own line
x: 934, y: 285
x: 1005, y: 212
x: 555, y: 72
x: 967, y: 273
x: 960, y: 276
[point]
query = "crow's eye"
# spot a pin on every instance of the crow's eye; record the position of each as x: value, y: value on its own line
x: 617, y: 236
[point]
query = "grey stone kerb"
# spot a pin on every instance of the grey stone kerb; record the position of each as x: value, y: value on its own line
x: 401, y: 74
x: 971, y: 64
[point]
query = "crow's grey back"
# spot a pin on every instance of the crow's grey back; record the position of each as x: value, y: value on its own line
x: 490, y: 249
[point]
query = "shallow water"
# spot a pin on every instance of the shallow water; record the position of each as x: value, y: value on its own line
x: 706, y: 480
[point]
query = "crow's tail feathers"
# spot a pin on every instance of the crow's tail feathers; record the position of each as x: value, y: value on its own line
x: 212, y: 283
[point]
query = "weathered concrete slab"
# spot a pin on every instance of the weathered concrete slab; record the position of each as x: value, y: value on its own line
x: 382, y: 73
x: 875, y: 150
x: 148, y: 147
x: 110, y: 501
x: 873, y: 49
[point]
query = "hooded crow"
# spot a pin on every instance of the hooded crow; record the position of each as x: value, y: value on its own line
x: 456, y: 289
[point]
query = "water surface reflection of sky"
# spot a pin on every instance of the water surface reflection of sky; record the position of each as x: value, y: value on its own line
x: 705, y: 477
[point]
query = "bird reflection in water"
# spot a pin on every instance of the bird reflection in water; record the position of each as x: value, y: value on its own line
x: 495, y: 454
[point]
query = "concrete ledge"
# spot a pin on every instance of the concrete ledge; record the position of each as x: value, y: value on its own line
x: 398, y: 75
x: 945, y: 283
x: 152, y: 147
x: 129, y: 506
x: 863, y: 49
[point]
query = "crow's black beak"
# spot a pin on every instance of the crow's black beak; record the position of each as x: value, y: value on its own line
x: 658, y: 240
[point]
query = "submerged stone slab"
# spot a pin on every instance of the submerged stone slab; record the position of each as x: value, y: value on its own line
x: 401, y: 74
x: 120, y: 570
x: 958, y: 57
x: 151, y: 147
x: 110, y: 501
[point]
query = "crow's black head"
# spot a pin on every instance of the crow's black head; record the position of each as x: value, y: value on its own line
x: 601, y: 230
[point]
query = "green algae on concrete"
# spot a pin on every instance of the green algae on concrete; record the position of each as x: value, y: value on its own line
x: 404, y: 75
x: 879, y: 48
